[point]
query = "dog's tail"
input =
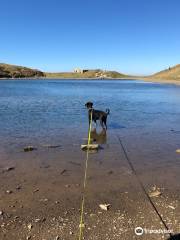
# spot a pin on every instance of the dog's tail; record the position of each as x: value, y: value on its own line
x: 108, y: 111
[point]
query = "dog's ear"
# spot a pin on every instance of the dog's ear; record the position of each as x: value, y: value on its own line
x: 89, y: 104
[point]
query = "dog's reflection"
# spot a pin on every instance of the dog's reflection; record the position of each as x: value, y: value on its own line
x: 100, y: 137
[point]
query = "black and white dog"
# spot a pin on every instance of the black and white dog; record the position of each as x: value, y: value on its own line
x: 97, y: 115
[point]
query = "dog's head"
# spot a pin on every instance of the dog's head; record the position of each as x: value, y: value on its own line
x: 89, y: 105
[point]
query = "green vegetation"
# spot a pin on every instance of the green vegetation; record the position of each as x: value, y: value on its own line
x: 88, y: 74
x: 13, y: 71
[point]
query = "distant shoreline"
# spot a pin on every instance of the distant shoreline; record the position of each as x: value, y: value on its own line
x: 14, y: 72
x: 165, y: 81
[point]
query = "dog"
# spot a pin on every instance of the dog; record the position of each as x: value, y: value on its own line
x: 97, y: 115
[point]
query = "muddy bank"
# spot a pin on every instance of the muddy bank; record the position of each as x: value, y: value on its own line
x: 41, y: 192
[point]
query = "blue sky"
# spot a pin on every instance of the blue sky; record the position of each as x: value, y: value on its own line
x: 131, y: 36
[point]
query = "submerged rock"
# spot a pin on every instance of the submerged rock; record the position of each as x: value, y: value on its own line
x: 8, y: 169
x: 29, y: 148
x: 51, y: 146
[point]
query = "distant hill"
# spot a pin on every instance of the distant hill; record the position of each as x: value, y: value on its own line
x: 97, y: 73
x: 172, y: 73
x: 13, y: 71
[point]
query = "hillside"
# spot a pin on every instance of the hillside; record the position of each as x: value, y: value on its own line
x: 13, y: 71
x: 98, y: 73
x: 172, y: 73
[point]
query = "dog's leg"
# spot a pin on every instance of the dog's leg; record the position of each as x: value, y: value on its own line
x: 96, y: 123
x: 101, y: 122
x: 104, y: 119
x: 105, y: 123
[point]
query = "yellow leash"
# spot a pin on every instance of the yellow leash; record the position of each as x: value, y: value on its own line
x: 81, y: 225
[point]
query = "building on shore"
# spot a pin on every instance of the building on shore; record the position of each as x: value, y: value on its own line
x: 79, y: 70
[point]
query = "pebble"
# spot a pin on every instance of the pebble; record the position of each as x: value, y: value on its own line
x: 57, y: 238
x: 36, y: 190
x: 7, y: 169
x: 44, y: 200
x: 104, y: 206
x: 171, y: 207
x: 1, y: 213
x: 30, y: 226
x: 8, y: 191
x: 37, y: 220
x: 18, y: 187
x: 92, y: 215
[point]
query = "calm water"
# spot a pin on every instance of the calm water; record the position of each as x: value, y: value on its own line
x: 52, y: 111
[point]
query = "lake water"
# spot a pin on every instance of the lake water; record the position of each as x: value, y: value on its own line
x: 52, y: 111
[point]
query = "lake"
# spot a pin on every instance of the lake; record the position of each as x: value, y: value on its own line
x: 36, y: 111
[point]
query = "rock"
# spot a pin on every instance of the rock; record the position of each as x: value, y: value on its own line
x: 28, y: 237
x: 37, y: 220
x: 30, y: 226
x: 44, y: 200
x: 71, y: 233
x: 29, y: 148
x: 155, y: 192
x: 57, y: 238
x: 8, y: 191
x: 63, y: 171
x: 86, y: 147
x: 1, y: 212
x: 36, y: 190
x: 18, y: 187
x: 3, y: 225
x: 51, y: 146
x: 8, y: 169
x: 104, y: 206
x: 171, y: 207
